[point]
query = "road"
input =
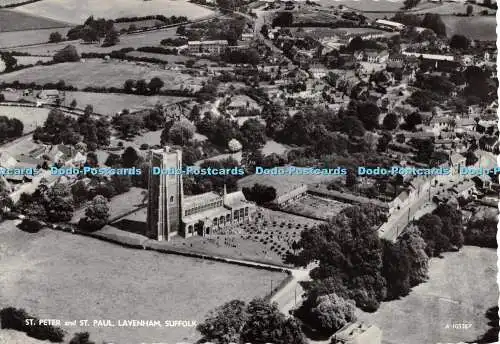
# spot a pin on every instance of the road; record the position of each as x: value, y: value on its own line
x: 291, y: 295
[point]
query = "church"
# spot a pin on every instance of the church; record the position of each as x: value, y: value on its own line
x: 170, y: 213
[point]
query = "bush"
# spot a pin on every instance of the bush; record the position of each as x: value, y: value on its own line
x: 31, y: 226
x: 67, y: 54
x: 12, y: 318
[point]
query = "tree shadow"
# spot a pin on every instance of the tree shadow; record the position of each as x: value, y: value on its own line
x: 137, y: 227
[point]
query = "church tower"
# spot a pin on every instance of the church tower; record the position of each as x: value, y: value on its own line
x: 165, y: 194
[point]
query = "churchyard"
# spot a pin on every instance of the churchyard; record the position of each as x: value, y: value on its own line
x: 68, y: 273
x: 267, y: 239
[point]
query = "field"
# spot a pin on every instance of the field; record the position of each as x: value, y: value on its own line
x: 97, y: 72
x: 172, y: 59
x: 28, y: 37
x: 481, y: 28
x: 318, y: 207
x: 267, y: 239
x: 31, y: 117
x: 283, y: 183
x: 461, y: 287
x: 84, y: 278
x: 31, y: 60
x: 110, y: 103
x: 77, y: 11
x: 15, y: 21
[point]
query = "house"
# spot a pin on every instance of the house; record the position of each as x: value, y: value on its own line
x: 50, y: 97
x: 242, y: 102
x: 247, y: 37
x: 466, y: 189
x: 318, y: 71
x: 207, y: 47
x: 374, y: 56
x: 390, y: 25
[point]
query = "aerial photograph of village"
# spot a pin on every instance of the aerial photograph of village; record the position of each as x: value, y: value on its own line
x: 248, y: 171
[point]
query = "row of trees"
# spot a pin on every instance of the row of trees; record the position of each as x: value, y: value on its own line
x: 93, y: 30
x: 355, y: 264
x: 143, y: 87
x: 255, y: 322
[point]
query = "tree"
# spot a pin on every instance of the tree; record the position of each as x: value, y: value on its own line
x: 434, y: 22
x: 223, y: 325
x: 130, y: 157
x: 73, y: 103
x: 459, y: 42
x: 469, y: 10
x: 112, y: 38
x: 253, y: 134
x: 58, y: 203
x: 55, y: 37
x: 396, y: 269
x: 410, y: 3
x: 391, y: 121
x: 129, y: 86
x: 128, y: 125
x: 260, y: 194
x: 141, y: 87
x: 352, y: 126
x: 266, y: 324
x: 97, y: 213
x: 67, y: 54
x: 181, y: 133
x: 412, y: 120
x: 155, y: 84
x: 81, y: 338
x: 411, y: 241
x: 331, y: 313
x: 9, y: 61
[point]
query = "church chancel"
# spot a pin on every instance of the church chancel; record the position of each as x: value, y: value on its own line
x: 171, y: 213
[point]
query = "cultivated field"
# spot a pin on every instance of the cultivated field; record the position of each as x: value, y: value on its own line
x: 111, y: 103
x: 15, y: 21
x: 284, y: 183
x: 31, y: 117
x: 317, y: 207
x: 100, y: 73
x: 28, y: 37
x: 461, y: 287
x: 77, y: 11
x: 84, y: 278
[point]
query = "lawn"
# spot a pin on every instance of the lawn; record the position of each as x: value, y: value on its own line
x: 100, y: 73
x: 64, y: 276
x: 15, y: 21
x: 31, y: 117
x: 111, y: 103
x: 77, y: 11
x: 461, y: 287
